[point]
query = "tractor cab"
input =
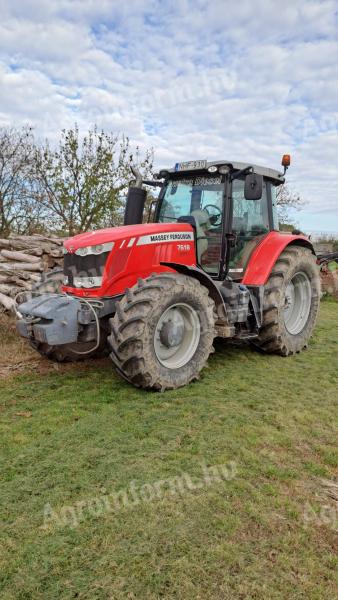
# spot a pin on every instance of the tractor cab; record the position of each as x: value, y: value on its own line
x: 215, y: 197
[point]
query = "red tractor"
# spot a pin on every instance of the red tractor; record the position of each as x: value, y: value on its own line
x: 209, y: 263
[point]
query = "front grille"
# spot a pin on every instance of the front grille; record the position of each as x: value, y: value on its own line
x: 84, y: 271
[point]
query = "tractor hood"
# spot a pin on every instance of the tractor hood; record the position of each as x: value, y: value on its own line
x: 171, y: 232
x: 106, y: 262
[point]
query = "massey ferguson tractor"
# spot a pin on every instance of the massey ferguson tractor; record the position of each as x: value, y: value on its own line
x: 210, y: 262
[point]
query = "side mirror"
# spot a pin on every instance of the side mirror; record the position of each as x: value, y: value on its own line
x: 253, y: 188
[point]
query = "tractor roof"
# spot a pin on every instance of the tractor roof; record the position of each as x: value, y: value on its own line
x: 273, y: 174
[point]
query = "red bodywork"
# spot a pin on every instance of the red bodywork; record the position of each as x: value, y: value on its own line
x: 265, y: 255
x: 139, y: 251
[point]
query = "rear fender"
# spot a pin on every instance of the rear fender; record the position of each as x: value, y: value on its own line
x: 265, y: 256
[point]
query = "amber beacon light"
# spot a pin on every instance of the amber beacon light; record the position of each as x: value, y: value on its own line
x: 286, y: 162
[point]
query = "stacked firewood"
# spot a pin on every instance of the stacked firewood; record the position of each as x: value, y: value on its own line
x: 330, y: 282
x: 23, y: 259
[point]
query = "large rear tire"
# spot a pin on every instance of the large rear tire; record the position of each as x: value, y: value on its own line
x: 291, y: 303
x: 163, y: 331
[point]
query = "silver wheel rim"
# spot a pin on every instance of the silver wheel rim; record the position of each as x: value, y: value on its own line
x: 298, y: 297
x: 177, y: 336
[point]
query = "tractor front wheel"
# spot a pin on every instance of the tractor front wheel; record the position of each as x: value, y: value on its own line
x: 163, y: 331
x: 291, y: 303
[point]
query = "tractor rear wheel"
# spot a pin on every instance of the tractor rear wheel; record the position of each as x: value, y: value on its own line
x: 291, y: 303
x: 162, y: 332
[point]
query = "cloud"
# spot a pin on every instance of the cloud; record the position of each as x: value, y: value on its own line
x: 192, y: 79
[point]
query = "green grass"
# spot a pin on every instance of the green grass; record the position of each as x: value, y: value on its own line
x: 82, y: 433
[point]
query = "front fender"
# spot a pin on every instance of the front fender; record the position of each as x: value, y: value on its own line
x: 203, y: 278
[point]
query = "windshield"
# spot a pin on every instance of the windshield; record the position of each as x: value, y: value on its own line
x: 184, y: 197
x: 201, y: 198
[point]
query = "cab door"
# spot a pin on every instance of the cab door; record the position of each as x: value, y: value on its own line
x: 250, y: 222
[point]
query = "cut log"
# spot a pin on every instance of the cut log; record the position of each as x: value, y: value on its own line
x: 26, y: 275
x: 35, y: 278
x: 10, y: 290
x: 19, y: 256
x: 35, y: 251
x: 7, y: 302
x: 57, y: 253
x: 50, y: 262
x: 54, y: 240
x: 46, y: 248
x: 21, y: 266
x: 22, y: 260
x: 5, y: 288
x: 31, y: 247
x: 4, y: 243
x: 37, y: 237
x: 16, y: 290
x: 19, y: 283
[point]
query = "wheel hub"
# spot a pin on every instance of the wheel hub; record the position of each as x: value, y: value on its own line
x: 172, y: 332
x: 298, y: 298
x: 177, y: 335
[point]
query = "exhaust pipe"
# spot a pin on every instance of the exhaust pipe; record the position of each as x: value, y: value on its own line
x: 135, y: 202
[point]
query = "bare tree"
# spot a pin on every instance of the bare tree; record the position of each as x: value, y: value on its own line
x: 287, y: 200
x: 83, y: 181
x: 18, y: 209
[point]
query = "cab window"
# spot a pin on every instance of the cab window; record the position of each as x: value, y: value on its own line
x: 275, y: 219
x: 250, y: 222
x: 202, y: 198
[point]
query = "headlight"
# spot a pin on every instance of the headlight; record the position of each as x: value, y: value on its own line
x: 97, y: 249
x: 82, y: 251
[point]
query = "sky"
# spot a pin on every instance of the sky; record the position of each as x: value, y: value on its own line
x: 217, y: 79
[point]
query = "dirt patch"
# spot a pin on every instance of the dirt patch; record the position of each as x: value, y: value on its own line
x: 16, y: 356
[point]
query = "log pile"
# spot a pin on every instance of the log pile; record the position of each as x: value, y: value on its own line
x: 22, y: 261
x: 330, y: 282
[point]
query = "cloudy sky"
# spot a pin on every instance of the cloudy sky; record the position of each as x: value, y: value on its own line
x: 192, y: 78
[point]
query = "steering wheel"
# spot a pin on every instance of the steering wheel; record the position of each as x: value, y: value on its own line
x: 215, y: 216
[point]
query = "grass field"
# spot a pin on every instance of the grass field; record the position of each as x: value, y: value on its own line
x: 104, y: 492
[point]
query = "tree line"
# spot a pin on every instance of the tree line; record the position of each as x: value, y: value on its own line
x: 77, y: 185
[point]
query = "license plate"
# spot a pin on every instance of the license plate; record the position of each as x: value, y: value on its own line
x: 191, y: 165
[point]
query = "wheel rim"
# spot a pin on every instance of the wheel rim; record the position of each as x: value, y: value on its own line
x: 177, y: 335
x: 298, y: 298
